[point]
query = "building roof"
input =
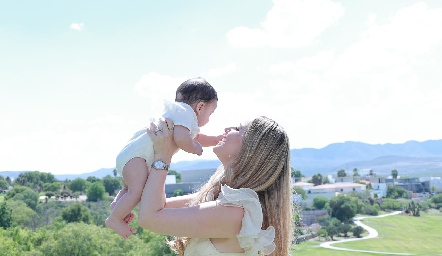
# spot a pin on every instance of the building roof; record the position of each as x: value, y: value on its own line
x: 300, y: 184
x: 338, y: 185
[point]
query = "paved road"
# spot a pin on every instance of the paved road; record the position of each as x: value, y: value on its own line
x: 372, y: 233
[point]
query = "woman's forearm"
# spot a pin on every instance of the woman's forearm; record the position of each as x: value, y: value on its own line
x: 153, y: 198
x: 178, y: 201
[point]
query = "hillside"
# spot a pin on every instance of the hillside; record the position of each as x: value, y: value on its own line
x: 409, y: 158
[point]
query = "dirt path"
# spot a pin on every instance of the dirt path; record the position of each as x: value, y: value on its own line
x: 372, y: 233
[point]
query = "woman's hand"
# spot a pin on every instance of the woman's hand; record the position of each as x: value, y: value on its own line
x: 162, y: 138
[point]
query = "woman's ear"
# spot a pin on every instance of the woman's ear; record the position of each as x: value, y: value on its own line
x: 199, y: 107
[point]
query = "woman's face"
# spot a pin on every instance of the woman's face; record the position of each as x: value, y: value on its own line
x: 228, y: 148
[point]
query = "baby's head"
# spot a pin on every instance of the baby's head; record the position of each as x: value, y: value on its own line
x: 200, y: 95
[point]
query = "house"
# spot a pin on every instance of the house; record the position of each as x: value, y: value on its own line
x: 412, y: 184
x: 330, y: 190
x: 378, y: 189
x: 191, y: 181
x: 430, y: 182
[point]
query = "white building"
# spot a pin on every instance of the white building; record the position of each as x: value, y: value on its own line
x: 434, y: 181
x: 330, y: 190
x: 380, y: 189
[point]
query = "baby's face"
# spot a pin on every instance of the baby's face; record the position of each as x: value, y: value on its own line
x: 205, y: 112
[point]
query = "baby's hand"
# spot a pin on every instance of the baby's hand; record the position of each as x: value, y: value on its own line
x: 198, y: 148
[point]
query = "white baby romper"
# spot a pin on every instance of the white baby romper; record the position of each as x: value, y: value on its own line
x: 140, y: 145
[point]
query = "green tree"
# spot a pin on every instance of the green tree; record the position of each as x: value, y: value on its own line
x: 178, y: 192
x: 325, y: 180
x: 177, y: 175
x: 317, y: 179
x: 296, y: 174
x: 321, y: 233
x: 111, y: 184
x: 332, y: 231
x: 8, y: 246
x: 25, y: 194
x: 394, y: 174
x: 5, y: 216
x: 300, y: 191
x: 23, y: 214
x: 92, y: 179
x: 49, y: 194
x: 342, y: 173
x: 371, y: 172
x: 319, y: 202
x: 76, y: 213
x: 396, y: 192
x: 437, y: 199
x: 77, y: 184
x: 342, y: 207
x: 357, y: 231
x: 3, y: 184
x: 115, y: 173
x: 53, y: 186
x: 8, y: 180
x: 345, y: 228
x: 355, y: 172
x: 95, y: 192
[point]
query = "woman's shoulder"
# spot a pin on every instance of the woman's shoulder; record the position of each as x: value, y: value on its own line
x: 240, y: 197
x: 251, y: 236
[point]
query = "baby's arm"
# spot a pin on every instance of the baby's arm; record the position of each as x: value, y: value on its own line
x: 183, y: 140
x: 208, y: 141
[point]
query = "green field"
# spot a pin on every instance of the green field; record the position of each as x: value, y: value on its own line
x: 2, y: 197
x: 312, y: 248
x: 399, y: 233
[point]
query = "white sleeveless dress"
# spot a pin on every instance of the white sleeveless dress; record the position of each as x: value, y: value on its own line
x: 251, y: 237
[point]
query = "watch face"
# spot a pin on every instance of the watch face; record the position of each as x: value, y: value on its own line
x: 160, y: 165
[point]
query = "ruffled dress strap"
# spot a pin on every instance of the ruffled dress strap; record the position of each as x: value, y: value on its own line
x: 251, y: 237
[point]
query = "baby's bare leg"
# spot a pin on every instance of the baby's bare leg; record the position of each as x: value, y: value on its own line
x: 135, y: 175
x: 128, y: 219
x: 119, y: 195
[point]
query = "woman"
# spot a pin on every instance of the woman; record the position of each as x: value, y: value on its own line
x: 245, y: 207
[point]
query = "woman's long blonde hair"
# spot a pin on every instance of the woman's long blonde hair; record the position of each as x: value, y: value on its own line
x: 263, y: 165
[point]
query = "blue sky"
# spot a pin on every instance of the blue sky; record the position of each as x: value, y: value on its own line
x: 77, y: 78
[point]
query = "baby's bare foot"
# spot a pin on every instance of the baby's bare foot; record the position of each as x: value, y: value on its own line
x: 121, y: 227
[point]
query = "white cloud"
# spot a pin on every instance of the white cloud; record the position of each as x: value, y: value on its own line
x: 319, y: 61
x: 66, y: 146
x: 221, y: 71
x: 77, y: 26
x: 383, y: 88
x: 156, y: 87
x: 289, y: 24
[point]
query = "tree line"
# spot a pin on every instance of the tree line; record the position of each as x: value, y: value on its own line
x: 53, y: 226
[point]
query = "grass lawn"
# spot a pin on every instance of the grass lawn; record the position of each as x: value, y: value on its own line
x: 400, y: 233
x: 312, y: 248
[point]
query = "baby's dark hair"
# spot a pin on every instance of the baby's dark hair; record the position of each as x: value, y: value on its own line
x: 195, y: 90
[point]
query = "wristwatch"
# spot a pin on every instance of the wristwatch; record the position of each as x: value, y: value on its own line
x: 160, y: 165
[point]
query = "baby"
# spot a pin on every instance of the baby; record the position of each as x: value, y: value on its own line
x: 195, y: 101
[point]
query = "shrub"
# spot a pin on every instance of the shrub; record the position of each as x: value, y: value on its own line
x: 370, y: 209
x: 319, y: 202
x: 390, y: 204
x: 437, y: 199
x: 357, y: 231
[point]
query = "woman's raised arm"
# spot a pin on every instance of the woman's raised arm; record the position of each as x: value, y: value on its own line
x: 210, y: 219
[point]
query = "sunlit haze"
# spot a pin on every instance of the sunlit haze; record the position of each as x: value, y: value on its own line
x: 78, y: 78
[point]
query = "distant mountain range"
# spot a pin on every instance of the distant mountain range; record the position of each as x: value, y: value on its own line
x: 409, y: 158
